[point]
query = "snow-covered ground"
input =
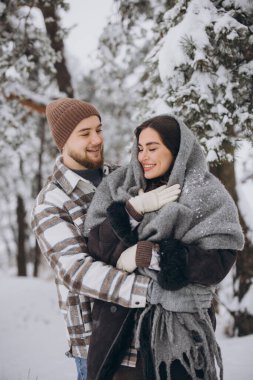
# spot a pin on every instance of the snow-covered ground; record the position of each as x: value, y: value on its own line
x: 32, y: 336
x: 32, y: 332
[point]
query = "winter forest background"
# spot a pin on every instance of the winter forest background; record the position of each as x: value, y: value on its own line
x: 193, y: 58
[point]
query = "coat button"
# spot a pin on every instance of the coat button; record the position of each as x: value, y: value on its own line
x: 113, y: 309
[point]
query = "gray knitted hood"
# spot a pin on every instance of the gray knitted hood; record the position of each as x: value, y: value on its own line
x: 205, y: 213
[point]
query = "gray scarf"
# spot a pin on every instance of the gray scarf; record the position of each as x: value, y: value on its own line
x: 205, y: 215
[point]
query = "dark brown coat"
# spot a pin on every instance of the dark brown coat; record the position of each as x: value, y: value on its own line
x: 180, y: 265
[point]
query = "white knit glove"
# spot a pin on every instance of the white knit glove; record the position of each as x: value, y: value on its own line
x: 127, y: 259
x: 153, y: 200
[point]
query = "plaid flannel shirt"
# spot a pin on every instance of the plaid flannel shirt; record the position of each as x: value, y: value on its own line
x: 58, y: 223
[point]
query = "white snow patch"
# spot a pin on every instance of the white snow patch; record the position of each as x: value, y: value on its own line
x: 198, y: 14
x: 32, y: 336
x: 245, y: 5
x: 32, y: 332
x: 243, y: 166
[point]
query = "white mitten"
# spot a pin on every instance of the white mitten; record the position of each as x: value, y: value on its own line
x: 155, y: 199
x: 127, y: 259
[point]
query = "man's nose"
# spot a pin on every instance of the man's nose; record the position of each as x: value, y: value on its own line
x: 96, y: 138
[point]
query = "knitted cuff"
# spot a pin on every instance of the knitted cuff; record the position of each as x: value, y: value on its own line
x: 144, y: 254
x: 133, y: 213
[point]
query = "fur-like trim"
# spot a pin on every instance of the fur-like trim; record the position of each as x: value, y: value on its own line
x: 173, y: 263
x: 120, y: 223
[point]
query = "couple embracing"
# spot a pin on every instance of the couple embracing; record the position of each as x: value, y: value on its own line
x: 138, y: 250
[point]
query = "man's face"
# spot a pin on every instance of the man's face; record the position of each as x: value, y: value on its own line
x: 84, y: 147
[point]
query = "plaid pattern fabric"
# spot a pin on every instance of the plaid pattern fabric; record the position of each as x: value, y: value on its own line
x: 57, y: 221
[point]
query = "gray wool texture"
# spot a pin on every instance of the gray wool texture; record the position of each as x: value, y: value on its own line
x: 181, y: 328
x: 204, y: 214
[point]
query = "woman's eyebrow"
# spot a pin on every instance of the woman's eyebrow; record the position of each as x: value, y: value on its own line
x: 150, y: 143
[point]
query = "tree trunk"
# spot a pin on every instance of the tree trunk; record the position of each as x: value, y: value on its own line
x: 37, y: 255
x: 37, y: 252
x: 243, y: 320
x: 63, y: 78
x: 53, y: 30
x: 21, y: 223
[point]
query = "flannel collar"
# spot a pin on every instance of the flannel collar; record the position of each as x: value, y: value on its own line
x: 69, y: 180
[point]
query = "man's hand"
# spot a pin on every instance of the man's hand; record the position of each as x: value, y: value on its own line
x: 155, y: 199
x: 127, y: 259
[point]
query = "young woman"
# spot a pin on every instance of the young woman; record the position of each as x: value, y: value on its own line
x: 184, y: 245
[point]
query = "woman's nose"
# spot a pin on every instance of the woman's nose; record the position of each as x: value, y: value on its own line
x: 144, y: 155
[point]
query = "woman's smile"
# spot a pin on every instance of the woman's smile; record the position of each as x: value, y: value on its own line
x: 148, y: 167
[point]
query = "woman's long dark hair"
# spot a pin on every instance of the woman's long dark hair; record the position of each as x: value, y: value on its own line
x: 168, y: 129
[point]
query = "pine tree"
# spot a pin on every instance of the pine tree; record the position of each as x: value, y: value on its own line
x: 32, y: 68
x: 197, y: 64
x: 204, y: 74
x: 121, y: 52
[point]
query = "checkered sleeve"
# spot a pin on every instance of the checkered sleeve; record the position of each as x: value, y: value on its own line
x: 65, y: 249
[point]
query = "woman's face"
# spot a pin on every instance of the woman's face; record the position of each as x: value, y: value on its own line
x: 153, y: 155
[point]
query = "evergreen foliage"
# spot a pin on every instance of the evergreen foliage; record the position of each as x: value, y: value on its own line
x: 193, y: 59
x: 27, y: 78
x: 190, y: 58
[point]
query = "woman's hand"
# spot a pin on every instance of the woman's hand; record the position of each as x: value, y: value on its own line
x: 143, y: 254
x: 127, y: 259
x: 155, y: 199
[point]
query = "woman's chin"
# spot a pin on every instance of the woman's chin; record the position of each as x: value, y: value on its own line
x: 148, y: 175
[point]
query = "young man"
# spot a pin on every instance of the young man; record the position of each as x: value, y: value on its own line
x: 58, y: 220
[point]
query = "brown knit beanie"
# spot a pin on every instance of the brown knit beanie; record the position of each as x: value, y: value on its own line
x: 63, y: 115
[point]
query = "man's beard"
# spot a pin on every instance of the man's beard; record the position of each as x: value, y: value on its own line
x: 86, y: 162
